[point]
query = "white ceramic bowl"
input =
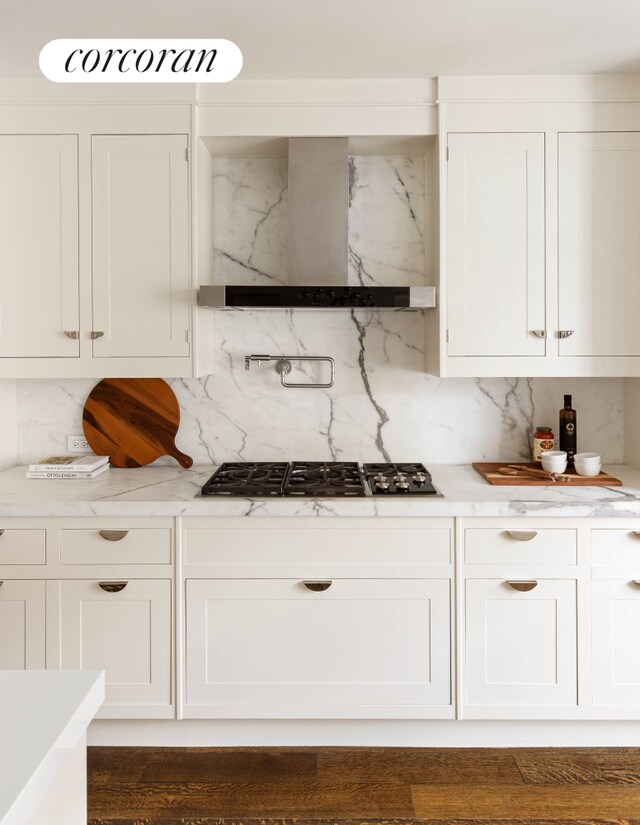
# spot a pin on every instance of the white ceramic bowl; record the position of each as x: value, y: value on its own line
x: 554, y: 461
x: 588, y: 464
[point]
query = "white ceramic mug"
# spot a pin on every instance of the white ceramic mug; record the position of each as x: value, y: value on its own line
x: 588, y: 464
x: 554, y: 461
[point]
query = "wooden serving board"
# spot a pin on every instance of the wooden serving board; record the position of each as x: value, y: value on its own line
x: 490, y: 473
x: 133, y: 421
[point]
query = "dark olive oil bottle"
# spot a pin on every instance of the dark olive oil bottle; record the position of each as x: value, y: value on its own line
x: 568, y: 430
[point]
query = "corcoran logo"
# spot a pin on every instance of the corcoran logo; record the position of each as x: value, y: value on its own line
x: 140, y: 61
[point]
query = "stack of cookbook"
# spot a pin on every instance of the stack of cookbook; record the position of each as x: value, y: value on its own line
x: 69, y: 466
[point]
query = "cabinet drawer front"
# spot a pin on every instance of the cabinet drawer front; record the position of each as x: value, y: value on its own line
x: 126, y: 632
x: 520, y: 646
x: 615, y: 546
x: 616, y: 640
x: 332, y: 548
x: 358, y: 642
x: 114, y: 546
x: 520, y: 545
x: 22, y: 547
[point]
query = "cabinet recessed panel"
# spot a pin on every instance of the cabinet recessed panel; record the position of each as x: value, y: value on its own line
x: 520, y: 645
x: 495, y: 244
x: 22, y: 625
x: 278, y: 643
x: 598, y: 250
x: 616, y: 642
x: 38, y: 246
x: 141, y: 280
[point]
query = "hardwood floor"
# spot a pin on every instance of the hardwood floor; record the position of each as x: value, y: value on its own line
x: 356, y: 786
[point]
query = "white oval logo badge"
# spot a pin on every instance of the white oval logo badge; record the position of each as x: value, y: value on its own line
x: 140, y: 61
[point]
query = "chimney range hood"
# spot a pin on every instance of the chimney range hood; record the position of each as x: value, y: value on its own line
x: 318, y: 243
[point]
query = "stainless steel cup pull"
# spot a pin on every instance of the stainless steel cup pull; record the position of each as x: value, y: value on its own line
x: 113, y: 535
x: 565, y: 333
x: 539, y: 333
x: 1, y: 583
x: 522, y: 535
x: 523, y: 586
x: 113, y: 587
x: 1, y: 532
x: 317, y: 587
x: 95, y: 334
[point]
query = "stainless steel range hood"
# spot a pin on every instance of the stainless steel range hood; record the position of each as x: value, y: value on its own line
x: 318, y: 243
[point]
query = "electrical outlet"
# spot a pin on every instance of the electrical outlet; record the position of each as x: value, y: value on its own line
x: 77, y: 444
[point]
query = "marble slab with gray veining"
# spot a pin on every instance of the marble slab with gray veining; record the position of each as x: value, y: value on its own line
x: 172, y: 491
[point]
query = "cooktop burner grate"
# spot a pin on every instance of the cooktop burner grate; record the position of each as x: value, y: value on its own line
x: 261, y: 478
x: 324, y: 478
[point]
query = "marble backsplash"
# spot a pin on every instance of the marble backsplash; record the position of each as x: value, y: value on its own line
x: 383, y: 405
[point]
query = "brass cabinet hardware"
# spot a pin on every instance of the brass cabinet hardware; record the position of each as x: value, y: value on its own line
x: 539, y: 333
x: 523, y: 586
x: 565, y: 333
x: 113, y: 535
x: 635, y: 533
x: 95, y: 334
x: 72, y: 333
x: 1, y: 532
x: 113, y: 587
x: 636, y: 582
x: 522, y: 535
x: 1, y: 583
x: 317, y: 587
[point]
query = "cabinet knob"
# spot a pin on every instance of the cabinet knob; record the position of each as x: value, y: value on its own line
x: 113, y: 535
x: 539, y: 333
x: 522, y: 535
x: 523, y: 586
x: 113, y: 587
x: 565, y: 333
x: 317, y: 587
x: 95, y: 334
x: 72, y: 333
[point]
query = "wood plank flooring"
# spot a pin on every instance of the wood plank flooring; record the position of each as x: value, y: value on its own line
x: 358, y: 786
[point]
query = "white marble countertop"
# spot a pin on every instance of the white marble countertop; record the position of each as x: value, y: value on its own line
x: 172, y: 491
x: 44, y: 715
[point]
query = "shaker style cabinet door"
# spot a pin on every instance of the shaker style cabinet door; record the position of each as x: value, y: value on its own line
x: 141, y: 280
x: 125, y: 631
x: 495, y: 245
x: 22, y: 625
x: 616, y: 641
x: 275, y: 648
x: 520, y: 646
x: 39, y: 298
x: 598, y: 250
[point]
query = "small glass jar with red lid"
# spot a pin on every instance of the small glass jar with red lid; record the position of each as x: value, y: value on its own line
x: 543, y: 439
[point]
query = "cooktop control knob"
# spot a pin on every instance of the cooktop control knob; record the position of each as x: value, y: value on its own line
x: 383, y: 485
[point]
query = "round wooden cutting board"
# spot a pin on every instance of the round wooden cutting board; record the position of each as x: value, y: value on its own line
x: 133, y: 420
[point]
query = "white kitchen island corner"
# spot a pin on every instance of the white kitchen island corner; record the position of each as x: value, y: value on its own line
x: 43, y: 729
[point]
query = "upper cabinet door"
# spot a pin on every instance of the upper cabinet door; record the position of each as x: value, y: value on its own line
x: 598, y: 250
x: 495, y: 245
x: 141, y: 281
x: 39, y: 246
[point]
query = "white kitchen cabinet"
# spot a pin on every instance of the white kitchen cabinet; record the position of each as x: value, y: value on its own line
x: 140, y: 277
x: 520, y: 645
x: 274, y: 648
x: 495, y: 245
x: 127, y: 633
x: 616, y: 641
x: 22, y: 625
x: 39, y: 298
x: 598, y: 243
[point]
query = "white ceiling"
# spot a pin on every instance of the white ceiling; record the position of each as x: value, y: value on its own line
x: 351, y: 38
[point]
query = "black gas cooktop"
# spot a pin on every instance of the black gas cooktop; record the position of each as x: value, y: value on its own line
x: 319, y: 479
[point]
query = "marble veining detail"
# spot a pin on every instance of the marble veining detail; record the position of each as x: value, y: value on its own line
x: 383, y: 405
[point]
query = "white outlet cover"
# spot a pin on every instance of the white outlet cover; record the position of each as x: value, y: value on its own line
x: 77, y: 444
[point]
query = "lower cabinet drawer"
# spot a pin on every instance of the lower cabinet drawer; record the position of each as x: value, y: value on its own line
x: 22, y: 546
x: 125, y: 631
x: 285, y: 649
x: 615, y: 547
x: 521, y: 545
x: 520, y: 644
x: 139, y: 545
